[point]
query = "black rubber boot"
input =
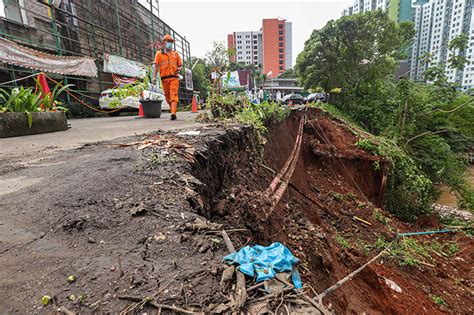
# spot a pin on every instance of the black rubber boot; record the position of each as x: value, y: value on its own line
x: 173, y: 117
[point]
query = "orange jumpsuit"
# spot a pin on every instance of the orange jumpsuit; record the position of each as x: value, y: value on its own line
x: 168, y: 64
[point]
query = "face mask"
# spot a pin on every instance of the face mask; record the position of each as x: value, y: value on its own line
x: 169, y: 45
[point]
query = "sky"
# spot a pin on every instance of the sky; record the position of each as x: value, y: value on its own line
x: 203, y: 22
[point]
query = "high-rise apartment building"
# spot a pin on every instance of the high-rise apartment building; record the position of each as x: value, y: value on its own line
x: 398, y: 10
x: 247, y: 47
x: 270, y: 48
x: 437, y: 23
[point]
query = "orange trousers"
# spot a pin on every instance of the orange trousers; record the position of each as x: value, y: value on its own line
x: 170, y: 87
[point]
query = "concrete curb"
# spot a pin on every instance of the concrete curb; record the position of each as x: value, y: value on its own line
x: 16, y: 124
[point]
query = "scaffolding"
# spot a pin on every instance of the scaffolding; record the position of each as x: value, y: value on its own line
x: 127, y: 28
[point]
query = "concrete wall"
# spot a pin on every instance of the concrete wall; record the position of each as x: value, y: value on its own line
x: 289, y: 45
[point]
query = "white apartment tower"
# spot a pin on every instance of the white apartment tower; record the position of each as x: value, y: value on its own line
x: 248, y: 47
x: 437, y: 22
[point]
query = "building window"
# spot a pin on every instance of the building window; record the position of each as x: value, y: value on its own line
x: 280, y: 32
x: 281, y: 50
x: 280, y: 26
x: 281, y: 56
x: 238, y: 36
x: 281, y: 67
x: 280, y: 62
x: 255, y: 36
x: 255, y: 42
x: 280, y: 44
x: 280, y: 38
x: 255, y: 47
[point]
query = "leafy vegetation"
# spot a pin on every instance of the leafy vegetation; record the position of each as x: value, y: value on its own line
x: 423, y: 129
x: 438, y: 300
x: 342, y: 241
x: 26, y: 100
x: 235, y: 107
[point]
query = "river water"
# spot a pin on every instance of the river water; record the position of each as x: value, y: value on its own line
x: 448, y: 198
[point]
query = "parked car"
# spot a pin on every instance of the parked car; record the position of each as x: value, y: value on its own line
x: 315, y: 97
x: 295, y: 99
x: 130, y: 102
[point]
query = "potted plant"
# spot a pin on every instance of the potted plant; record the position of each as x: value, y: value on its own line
x: 24, y: 111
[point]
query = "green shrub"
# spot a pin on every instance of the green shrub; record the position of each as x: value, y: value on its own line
x: 342, y: 241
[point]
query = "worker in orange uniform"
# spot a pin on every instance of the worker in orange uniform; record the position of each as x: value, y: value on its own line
x: 169, y: 63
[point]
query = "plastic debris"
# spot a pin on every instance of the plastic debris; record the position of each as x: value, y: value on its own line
x: 45, y: 299
x: 265, y: 262
x: 71, y: 279
x: 392, y: 285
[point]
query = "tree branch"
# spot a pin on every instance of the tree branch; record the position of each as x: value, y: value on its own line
x: 424, y: 134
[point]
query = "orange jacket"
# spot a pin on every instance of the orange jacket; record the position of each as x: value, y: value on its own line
x: 168, y: 63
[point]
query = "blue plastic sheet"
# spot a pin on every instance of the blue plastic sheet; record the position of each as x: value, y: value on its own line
x: 265, y: 262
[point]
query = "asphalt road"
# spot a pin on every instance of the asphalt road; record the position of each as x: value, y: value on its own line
x: 91, y: 130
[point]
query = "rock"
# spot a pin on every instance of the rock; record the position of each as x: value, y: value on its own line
x: 392, y: 285
x: 183, y: 238
x: 200, y: 224
x: 90, y: 240
x: 160, y: 237
x: 137, y: 209
x: 227, y: 274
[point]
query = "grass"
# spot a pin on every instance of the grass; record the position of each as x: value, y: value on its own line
x: 407, y: 251
x: 467, y: 226
x: 363, y: 247
x: 342, y: 241
x: 337, y: 197
x: 438, y: 300
x: 447, y: 249
x: 380, y: 217
x: 352, y: 196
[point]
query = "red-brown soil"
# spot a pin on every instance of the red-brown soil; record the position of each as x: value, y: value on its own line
x: 333, y: 182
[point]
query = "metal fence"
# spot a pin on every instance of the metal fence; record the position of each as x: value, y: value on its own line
x: 89, y: 28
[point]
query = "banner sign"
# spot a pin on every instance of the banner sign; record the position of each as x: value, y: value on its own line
x: 123, y: 66
x: 119, y: 81
x: 231, y: 79
x: 188, y: 79
x: 18, y: 55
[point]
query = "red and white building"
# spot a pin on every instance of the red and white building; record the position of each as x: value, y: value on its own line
x: 270, y: 48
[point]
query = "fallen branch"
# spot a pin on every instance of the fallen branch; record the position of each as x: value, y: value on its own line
x: 240, y: 291
x: 351, y: 275
x: 362, y: 220
x: 424, y: 134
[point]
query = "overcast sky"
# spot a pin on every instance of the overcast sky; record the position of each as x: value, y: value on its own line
x: 203, y: 22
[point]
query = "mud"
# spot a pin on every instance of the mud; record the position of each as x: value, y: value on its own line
x: 122, y: 221
x: 333, y: 182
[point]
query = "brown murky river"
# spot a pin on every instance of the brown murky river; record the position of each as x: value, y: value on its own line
x: 448, y: 198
